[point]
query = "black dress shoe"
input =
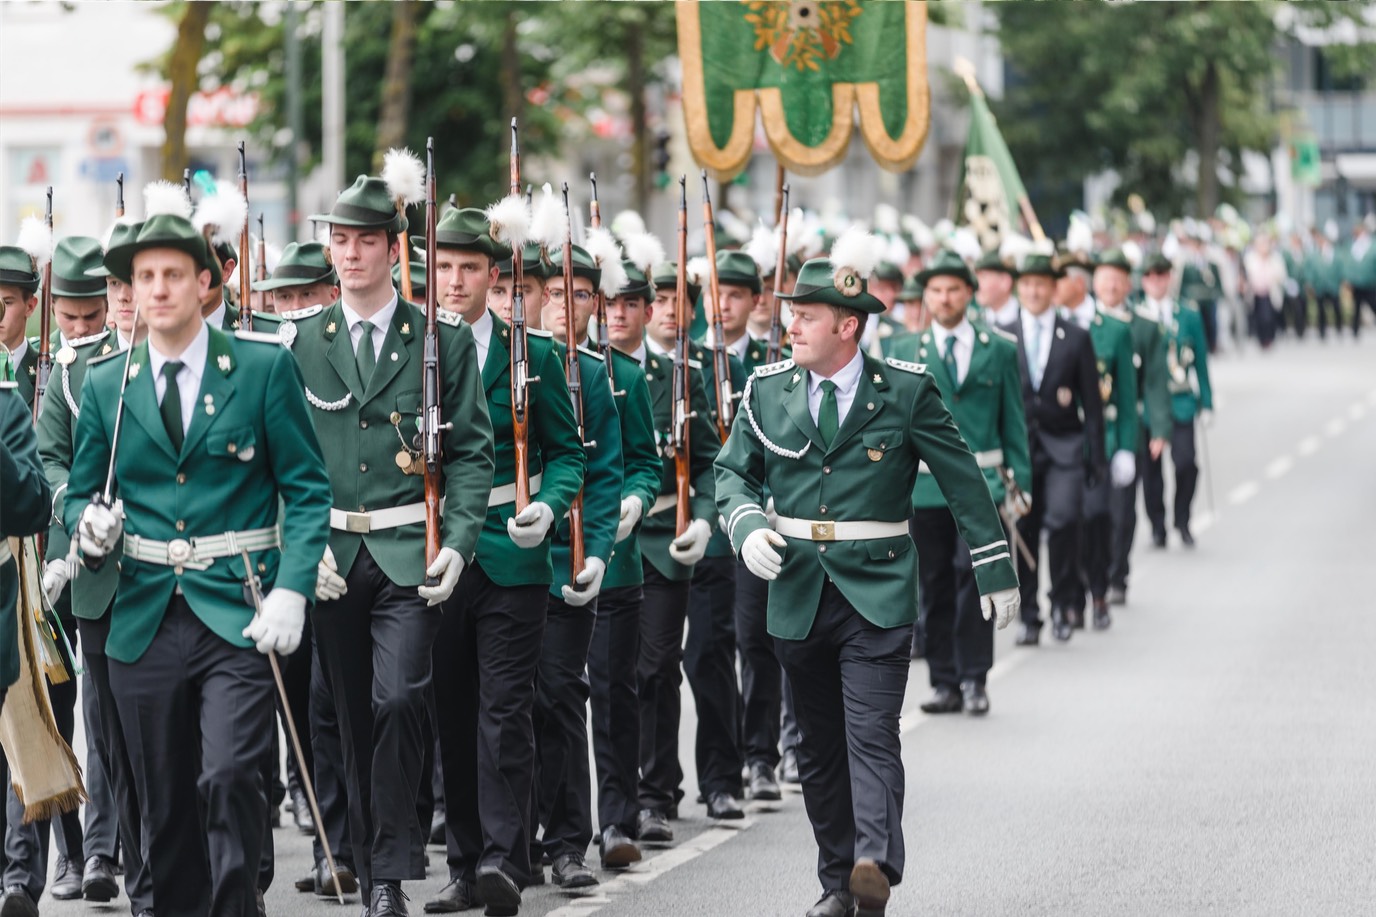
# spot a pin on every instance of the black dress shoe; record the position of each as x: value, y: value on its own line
x: 762, y: 783
x: 1185, y: 537
x: 870, y: 886
x: 387, y: 900
x: 301, y: 812
x: 454, y: 897
x: 261, y: 904
x: 1076, y: 617
x: 437, y: 826
x: 972, y: 695
x: 324, y: 882
x: 98, y: 882
x: 1158, y: 539
x: 500, y: 892
x: 1102, y: 619
x: 1117, y: 595
x: 618, y: 850
x: 788, y: 767
x: 652, y: 826
x: 724, y: 806
x: 834, y: 903
x: 66, y: 880
x: 1029, y: 635
x: 570, y: 871
x: 1060, y: 624
x: 17, y: 903
x: 944, y: 699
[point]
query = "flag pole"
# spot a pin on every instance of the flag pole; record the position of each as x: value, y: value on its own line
x: 966, y: 71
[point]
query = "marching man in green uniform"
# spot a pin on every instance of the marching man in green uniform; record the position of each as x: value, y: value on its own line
x: 302, y: 278
x: 18, y: 298
x: 361, y: 358
x: 220, y: 487
x: 1187, y: 362
x: 976, y: 370
x: 833, y: 434
x: 487, y: 650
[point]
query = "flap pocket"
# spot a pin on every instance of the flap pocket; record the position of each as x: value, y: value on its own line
x: 238, y: 443
x: 888, y: 548
x: 881, y: 441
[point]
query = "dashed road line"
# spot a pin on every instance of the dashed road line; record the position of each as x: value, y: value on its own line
x: 1357, y: 411
x: 1279, y: 467
x: 1335, y: 427
x: 1243, y: 492
x: 1309, y: 445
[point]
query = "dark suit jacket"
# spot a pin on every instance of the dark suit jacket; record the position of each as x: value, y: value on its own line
x: 1065, y: 416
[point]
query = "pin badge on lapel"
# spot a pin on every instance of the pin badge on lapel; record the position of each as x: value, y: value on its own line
x: 134, y: 370
x: 223, y: 362
x: 246, y: 454
x: 406, y: 328
x: 874, y: 454
x: 1064, y: 397
x: 1060, y: 333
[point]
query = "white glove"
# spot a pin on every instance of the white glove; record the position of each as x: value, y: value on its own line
x: 329, y: 585
x: 1002, y: 606
x: 631, y: 511
x: 56, y: 574
x: 1206, y: 418
x: 760, y: 559
x: 1122, y: 468
x: 589, y: 580
x: 99, y: 528
x: 529, y: 527
x: 689, y: 547
x: 448, y: 566
x: 277, y: 627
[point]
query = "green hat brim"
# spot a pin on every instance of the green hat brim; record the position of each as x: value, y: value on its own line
x: 26, y: 283
x: 119, y: 260
x: 964, y: 273
x: 292, y: 276
x: 360, y: 218
x: 90, y: 287
x: 830, y: 296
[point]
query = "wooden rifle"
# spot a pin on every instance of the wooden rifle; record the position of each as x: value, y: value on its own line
x: 430, y: 425
x: 721, y: 364
x: 261, y: 253
x: 681, y: 392
x: 575, y: 374
x: 774, y: 350
x: 45, y: 318
x: 604, y: 344
x: 520, y: 354
x: 245, y: 306
x: 119, y: 195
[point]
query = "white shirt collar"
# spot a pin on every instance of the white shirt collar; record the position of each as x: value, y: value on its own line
x: 648, y: 346
x: 17, y: 354
x: 1045, y: 320
x: 217, y: 318
x: 1083, y: 314
x: 123, y: 341
x: 964, y: 333
x: 381, y: 319
x: 846, y: 378
x: 192, y: 358
x: 482, y: 335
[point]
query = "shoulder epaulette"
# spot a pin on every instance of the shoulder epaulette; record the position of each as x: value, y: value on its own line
x: 540, y: 333
x: 89, y: 339
x: 1144, y: 312
x: 1007, y: 336
x: 694, y: 364
x: 262, y: 337
x: 590, y: 352
x: 296, y: 315
x: 773, y: 369
x: 453, y: 319
x: 104, y: 357
x: 916, y: 368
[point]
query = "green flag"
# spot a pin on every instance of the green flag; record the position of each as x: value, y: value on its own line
x: 993, y: 192
x: 807, y: 65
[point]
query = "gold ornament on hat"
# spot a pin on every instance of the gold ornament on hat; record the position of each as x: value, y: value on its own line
x: 848, y: 283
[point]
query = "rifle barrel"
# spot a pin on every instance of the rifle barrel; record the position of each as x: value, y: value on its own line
x: 245, y: 306
x: 431, y: 425
x: 682, y: 412
x: 520, y: 356
x: 774, y: 350
x: 721, y: 365
x: 575, y: 380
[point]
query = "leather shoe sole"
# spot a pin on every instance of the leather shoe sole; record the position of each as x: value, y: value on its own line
x: 619, y: 852
x: 499, y: 893
x: 870, y: 886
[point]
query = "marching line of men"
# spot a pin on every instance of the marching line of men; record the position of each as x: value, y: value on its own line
x: 281, y: 463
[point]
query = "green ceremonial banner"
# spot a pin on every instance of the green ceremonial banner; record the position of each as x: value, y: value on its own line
x: 806, y: 64
x: 994, y: 193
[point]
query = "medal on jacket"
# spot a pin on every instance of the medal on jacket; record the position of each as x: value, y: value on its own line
x: 1106, y: 386
x: 874, y: 454
x: 1064, y: 397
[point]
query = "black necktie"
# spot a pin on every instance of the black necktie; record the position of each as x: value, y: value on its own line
x: 172, y: 404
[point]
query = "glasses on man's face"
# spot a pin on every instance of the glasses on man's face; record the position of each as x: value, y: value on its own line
x: 582, y: 297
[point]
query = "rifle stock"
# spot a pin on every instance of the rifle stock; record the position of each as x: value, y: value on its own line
x: 520, y: 356
x: 682, y: 412
x: 721, y: 365
x: 775, y: 348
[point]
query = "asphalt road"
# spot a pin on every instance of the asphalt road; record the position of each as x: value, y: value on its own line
x: 1211, y: 753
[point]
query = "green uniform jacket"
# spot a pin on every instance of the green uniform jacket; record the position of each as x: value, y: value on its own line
x: 896, y: 420
x: 641, y: 465
x: 720, y: 545
x: 987, y: 408
x: 25, y: 506
x: 1185, y: 338
x: 1200, y: 283
x: 1323, y: 275
x: 89, y: 593
x: 250, y: 444
x: 1149, y: 357
x: 1361, y: 272
x: 366, y: 431
x: 1112, y: 340
x: 657, y: 530
x: 26, y: 373
x: 555, y: 452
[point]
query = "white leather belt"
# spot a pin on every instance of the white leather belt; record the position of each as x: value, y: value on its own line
x: 820, y: 530
x: 500, y: 496
x: 199, y: 553
x: 393, y: 517
x: 668, y: 501
x: 992, y: 458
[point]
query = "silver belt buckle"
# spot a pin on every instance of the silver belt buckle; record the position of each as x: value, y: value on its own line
x: 823, y: 531
x: 179, y: 551
x: 358, y: 523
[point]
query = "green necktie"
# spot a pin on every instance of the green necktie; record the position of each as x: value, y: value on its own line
x: 171, y: 407
x: 949, y: 358
x: 365, y: 356
x: 828, y: 415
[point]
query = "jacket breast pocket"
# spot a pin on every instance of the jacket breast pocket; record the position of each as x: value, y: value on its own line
x: 238, y: 444
x: 883, y: 549
x: 879, y: 443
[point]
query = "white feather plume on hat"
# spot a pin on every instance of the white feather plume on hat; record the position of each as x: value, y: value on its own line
x: 548, y: 221
x: 404, y: 175
x: 165, y: 197
x: 1079, y: 236
x: 696, y: 271
x: 920, y: 231
x: 222, y: 213
x: 855, y: 253
x: 965, y: 243
x: 110, y: 230
x: 763, y: 248
x: 886, y: 219
x: 36, y: 239
x: 601, y: 247
x: 509, y: 220
x: 797, y: 232
x: 643, y: 250
x: 1014, y: 247
x: 627, y: 223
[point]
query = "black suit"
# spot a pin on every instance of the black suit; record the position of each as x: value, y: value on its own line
x: 1065, y: 430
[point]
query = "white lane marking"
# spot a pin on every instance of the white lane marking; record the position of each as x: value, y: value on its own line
x: 1243, y: 492
x: 1357, y: 411
x: 1309, y: 445
x: 1279, y: 467
x: 1203, y: 522
x: 1335, y: 427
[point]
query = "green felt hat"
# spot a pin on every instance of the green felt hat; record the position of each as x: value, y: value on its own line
x: 1039, y: 266
x: 16, y: 269
x: 887, y: 270
x: 1115, y: 258
x: 991, y: 261
x: 531, y: 264
x: 816, y: 284
x: 120, y: 234
x: 165, y: 230
x: 912, y: 290
x: 225, y: 251
x: 665, y: 277
x: 302, y: 263
x: 738, y: 269
x: 638, y: 284
x: 947, y: 264
x: 417, y: 279
x: 367, y: 204
x: 467, y: 229
x: 583, y: 265
x: 74, y: 260
x: 1156, y: 264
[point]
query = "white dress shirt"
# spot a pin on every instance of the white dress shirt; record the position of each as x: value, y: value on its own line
x: 1161, y: 308
x: 964, y: 335
x: 847, y: 380
x: 216, y: 319
x: 382, y: 320
x: 188, y: 377
x: 647, y: 347
x: 482, y: 337
x: 1083, y: 314
x: 1031, y: 324
x: 1007, y: 313
x: 17, y: 354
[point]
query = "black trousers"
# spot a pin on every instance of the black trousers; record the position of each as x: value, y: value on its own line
x: 761, y: 677
x: 109, y: 742
x: 1186, y: 477
x: 198, y: 719
x: 709, y: 661
x: 1264, y: 320
x: 960, y: 643
x: 486, y: 656
x: 1096, y: 541
x: 327, y: 767
x: 848, y: 677
x: 1057, y: 495
x: 1328, y: 303
x: 296, y: 677
x: 659, y: 673
x: 1208, y: 313
x: 615, y: 700
x: 1362, y: 296
x: 374, y: 647
x: 1122, y: 508
x: 563, y: 784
